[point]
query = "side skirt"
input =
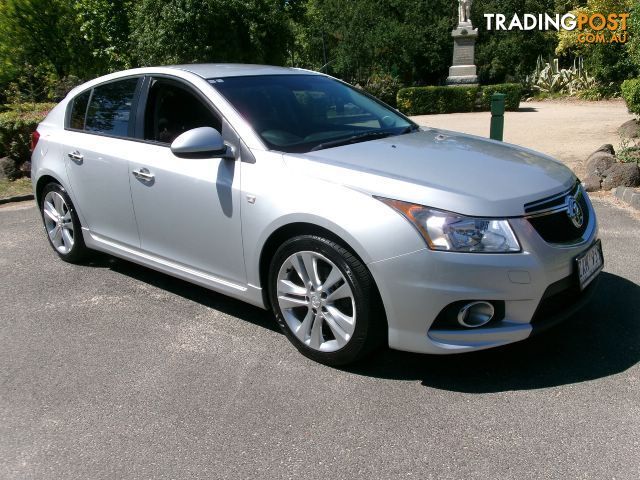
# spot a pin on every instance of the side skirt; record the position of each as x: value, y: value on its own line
x: 247, y: 293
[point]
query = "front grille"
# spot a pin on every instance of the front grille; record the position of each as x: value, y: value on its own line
x: 551, y: 220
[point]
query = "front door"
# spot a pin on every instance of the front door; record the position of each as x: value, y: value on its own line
x: 187, y: 210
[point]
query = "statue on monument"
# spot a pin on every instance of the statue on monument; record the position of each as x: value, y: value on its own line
x: 463, y: 68
x: 464, y: 12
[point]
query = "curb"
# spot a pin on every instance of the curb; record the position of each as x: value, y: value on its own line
x: 629, y: 195
x: 17, y: 198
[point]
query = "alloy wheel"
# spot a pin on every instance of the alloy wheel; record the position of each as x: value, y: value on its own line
x: 316, y: 301
x: 58, y: 222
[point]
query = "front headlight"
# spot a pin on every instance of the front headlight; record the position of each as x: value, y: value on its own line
x: 456, y: 233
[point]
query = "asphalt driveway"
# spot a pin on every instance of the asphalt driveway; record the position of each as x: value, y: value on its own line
x: 111, y: 370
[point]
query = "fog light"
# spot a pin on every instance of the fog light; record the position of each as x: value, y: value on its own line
x: 475, y: 314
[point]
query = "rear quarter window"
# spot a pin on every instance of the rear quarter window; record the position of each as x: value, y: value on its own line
x: 79, y: 110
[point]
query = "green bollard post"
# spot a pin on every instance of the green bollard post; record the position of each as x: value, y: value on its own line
x: 497, y: 116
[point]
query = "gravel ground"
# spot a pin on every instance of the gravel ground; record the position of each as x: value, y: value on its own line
x: 568, y: 130
x: 110, y: 370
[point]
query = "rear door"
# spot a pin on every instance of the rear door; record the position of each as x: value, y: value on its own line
x: 187, y: 209
x: 99, y: 126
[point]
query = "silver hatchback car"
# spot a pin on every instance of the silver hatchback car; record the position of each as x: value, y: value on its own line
x: 291, y: 190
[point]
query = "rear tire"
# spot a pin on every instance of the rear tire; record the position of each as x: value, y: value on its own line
x: 325, y: 300
x: 61, y: 223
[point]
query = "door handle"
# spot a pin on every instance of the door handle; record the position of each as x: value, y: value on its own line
x: 143, y: 174
x: 76, y: 156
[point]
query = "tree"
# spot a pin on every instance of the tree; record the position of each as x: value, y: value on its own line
x: 608, y: 63
x: 37, y: 47
x: 403, y: 37
x: 510, y: 55
x: 39, y: 32
x: 103, y: 26
x: 8, y: 50
x: 633, y: 45
x: 186, y: 31
x: 43, y: 42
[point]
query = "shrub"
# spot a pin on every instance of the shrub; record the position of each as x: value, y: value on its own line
x: 383, y: 86
x: 426, y: 100
x: 631, y: 94
x: 16, y: 126
x: 513, y: 92
x: 600, y: 92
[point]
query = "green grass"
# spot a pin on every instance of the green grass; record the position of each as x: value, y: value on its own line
x: 22, y: 186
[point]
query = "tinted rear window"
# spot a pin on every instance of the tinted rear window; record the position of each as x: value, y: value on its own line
x: 78, y: 110
x: 110, y: 108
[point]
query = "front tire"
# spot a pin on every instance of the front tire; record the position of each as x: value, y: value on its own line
x: 61, y: 223
x: 325, y: 300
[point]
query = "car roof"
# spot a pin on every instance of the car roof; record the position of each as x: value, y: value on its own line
x: 220, y: 70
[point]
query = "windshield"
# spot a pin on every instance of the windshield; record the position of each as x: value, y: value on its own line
x: 300, y: 113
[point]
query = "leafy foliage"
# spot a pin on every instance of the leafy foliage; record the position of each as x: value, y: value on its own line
x: 187, y: 31
x: 427, y: 100
x: 510, y: 55
x: 609, y: 63
x: 38, y: 34
x: 45, y: 41
x: 16, y: 126
x: 47, y: 46
x: 352, y: 40
x: 628, y: 150
x: 631, y: 94
x: 633, y: 45
x: 383, y: 86
x: 104, y: 32
x: 513, y: 92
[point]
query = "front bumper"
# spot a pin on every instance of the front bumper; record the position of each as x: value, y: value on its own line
x: 417, y: 286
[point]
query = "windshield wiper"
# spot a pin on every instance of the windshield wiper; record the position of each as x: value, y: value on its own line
x: 410, y: 128
x: 361, y: 137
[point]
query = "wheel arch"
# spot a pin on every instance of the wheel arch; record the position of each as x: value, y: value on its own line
x: 44, y: 180
x: 290, y: 230
x: 46, y: 176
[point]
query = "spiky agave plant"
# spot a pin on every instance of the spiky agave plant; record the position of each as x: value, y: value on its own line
x: 548, y: 77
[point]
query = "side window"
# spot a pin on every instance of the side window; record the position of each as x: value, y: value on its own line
x: 172, y: 109
x: 110, y: 107
x: 79, y: 110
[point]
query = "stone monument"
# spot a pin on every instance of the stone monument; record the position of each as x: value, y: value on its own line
x: 463, y: 68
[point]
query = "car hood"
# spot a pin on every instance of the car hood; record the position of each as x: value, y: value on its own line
x: 441, y: 169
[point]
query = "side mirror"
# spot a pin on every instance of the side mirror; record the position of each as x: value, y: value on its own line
x: 202, y: 142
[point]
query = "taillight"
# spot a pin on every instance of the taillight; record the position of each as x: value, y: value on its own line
x: 35, y: 136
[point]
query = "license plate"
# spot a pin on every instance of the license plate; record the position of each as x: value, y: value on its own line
x: 589, y: 264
